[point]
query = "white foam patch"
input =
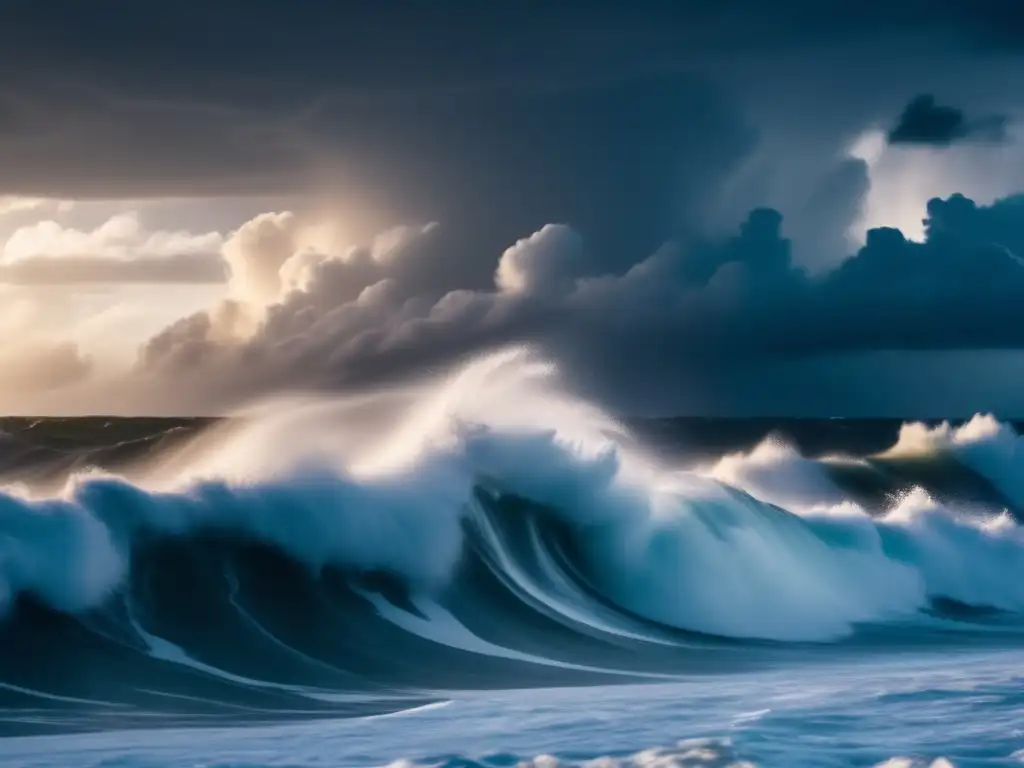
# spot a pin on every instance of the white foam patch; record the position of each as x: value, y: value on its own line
x: 989, y: 447
x: 776, y: 473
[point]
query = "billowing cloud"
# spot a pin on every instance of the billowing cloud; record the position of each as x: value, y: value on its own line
x: 121, y: 250
x: 546, y: 262
x: 924, y: 121
x: 257, y: 250
x: 356, y: 319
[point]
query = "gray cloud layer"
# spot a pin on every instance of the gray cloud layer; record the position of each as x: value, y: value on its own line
x: 455, y: 43
x: 185, y: 269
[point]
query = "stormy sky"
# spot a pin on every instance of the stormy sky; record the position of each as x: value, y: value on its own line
x: 729, y: 208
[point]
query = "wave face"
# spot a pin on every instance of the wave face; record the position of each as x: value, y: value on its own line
x: 314, y: 558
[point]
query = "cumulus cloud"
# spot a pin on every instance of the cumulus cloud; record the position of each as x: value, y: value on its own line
x: 546, y: 262
x: 257, y: 250
x: 274, y: 254
x: 121, y: 250
x: 926, y: 122
x: 356, y: 319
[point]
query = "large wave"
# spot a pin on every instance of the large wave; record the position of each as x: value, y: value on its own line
x: 486, y: 529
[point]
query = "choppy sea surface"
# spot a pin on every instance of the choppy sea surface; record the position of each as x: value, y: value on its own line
x: 485, y: 570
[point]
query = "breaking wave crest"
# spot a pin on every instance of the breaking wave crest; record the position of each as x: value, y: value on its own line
x: 317, y: 558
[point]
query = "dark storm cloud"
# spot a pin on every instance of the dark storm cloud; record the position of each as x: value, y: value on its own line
x: 73, y: 141
x: 196, y: 49
x: 925, y: 121
x: 492, y: 118
x: 697, y: 304
x: 629, y: 162
x: 201, y: 98
x: 121, y: 98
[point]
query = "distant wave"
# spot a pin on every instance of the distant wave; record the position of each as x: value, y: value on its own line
x: 323, y: 558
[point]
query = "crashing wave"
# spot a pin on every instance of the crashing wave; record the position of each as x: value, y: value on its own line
x: 486, y: 530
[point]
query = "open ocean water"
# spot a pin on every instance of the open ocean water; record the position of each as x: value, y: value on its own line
x: 486, y: 571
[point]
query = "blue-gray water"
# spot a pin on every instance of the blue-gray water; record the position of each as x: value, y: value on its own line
x: 965, y: 708
x: 315, y: 585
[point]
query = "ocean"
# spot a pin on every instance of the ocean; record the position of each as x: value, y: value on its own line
x: 484, y: 570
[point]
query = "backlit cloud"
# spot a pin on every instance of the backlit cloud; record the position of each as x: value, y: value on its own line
x: 355, y: 320
x: 121, y: 250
